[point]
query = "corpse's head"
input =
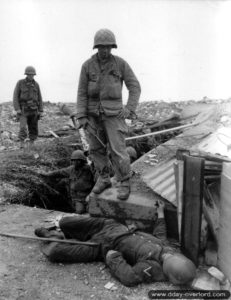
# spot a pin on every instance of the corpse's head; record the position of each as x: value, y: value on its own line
x: 178, y: 268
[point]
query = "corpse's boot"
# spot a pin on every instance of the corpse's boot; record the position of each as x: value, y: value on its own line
x: 123, y: 190
x: 49, y: 233
x: 102, y: 184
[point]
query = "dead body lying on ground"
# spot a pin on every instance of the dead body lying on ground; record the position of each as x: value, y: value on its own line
x: 132, y: 256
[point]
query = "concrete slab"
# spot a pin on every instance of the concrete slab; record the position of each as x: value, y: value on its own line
x: 139, y: 206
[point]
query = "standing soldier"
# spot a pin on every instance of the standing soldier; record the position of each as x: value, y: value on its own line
x: 28, y: 105
x: 100, y: 111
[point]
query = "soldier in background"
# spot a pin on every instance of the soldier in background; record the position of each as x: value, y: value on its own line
x: 101, y: 112
x: 28, y: 105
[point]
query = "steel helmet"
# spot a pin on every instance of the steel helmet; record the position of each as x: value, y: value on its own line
x: 30, y: 71
x: 104, y: 37
x: 178, y: 268
x: 78, y: 154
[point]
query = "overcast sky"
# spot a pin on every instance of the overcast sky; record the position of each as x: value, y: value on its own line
x: 179, y: 50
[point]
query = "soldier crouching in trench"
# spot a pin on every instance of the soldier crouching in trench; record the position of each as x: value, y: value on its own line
x: 76, y: 181
x: 131, y: 255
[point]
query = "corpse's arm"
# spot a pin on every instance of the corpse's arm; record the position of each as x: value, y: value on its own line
x: 133, y: 275
x: 121, y: 269
x: 159, y: 230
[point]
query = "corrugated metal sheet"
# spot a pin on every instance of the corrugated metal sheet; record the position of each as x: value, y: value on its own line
x: 162, y: 180
x: 217, y: 143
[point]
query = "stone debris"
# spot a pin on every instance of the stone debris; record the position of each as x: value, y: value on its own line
x: 205, y: 281
x: 217, y: 274
x: 110, y: 286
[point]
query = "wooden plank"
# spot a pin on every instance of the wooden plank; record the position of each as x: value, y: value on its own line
x: 192, y: 206
x: 211, y: 207
x: 224, y: 237
x: 179, y: 176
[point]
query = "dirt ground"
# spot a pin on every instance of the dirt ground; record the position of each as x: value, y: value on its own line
x: 26, y: 274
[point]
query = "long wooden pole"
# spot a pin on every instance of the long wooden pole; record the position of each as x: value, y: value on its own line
x: 27, y: 237
x: 160, y: 132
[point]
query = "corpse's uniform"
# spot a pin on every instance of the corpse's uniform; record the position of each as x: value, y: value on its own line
x: 138, y: 254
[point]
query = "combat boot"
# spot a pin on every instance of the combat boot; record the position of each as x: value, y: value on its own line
x: 49, y: 233
x: 123, y: 190
x: 102, y: 184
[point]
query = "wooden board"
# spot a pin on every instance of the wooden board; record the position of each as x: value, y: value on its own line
x: 179, y: 176
x: 192, y: 206
x: 224, y: 234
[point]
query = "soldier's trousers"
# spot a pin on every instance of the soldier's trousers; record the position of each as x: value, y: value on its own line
x: 111, y: 131
x: 70, y: 253
x: 28, y: 123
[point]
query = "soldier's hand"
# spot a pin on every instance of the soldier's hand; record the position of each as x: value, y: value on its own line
x: 83, y: 122
x: 124, y: 113
x: 43, y: 173
x: 40, y: 114
x: 160, y: 208
x: 18, y: 112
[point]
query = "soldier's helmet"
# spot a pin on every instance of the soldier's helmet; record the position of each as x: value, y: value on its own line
x: 179, y: 269
x: 104, y: 37
x: 30, y: 71
x: 78, y: 154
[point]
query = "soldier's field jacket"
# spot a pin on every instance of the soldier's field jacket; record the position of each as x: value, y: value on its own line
x: 27, y: 96
x: 81, y: 181
x: 100, y: 87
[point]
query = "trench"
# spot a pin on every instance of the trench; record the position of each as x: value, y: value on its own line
x: 23, y: 170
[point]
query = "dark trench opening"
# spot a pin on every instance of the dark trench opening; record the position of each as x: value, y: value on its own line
x: 52, y: 193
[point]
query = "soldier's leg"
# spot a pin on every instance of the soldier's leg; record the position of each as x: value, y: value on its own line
x: 99, y: 154
x: 33, y: 126
x: 81, y: 227
x: 67, y: 253
x: 116, y: 129
x: 22, y: 128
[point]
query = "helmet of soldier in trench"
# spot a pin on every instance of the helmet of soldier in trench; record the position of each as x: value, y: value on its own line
x: 78, y: 154
x: 30, y: 71
x: 178, y: 268
x: 104, y: 37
